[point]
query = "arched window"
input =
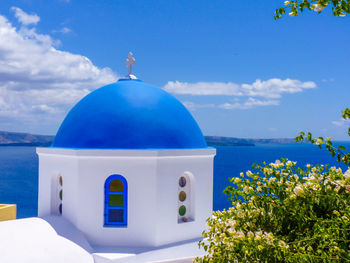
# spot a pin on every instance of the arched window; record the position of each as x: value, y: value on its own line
x: 116, y: 201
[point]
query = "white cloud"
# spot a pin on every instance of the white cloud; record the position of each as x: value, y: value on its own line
x: 203, y: 88
x: 63, y: 30
x: 328, y: 80
x: 25, y: 18
x: 37, y: 78
x: 272, y: 88
x: 194, y: 106
x: 270, y: 91
x: 341, y: 122
x: 248, y: 104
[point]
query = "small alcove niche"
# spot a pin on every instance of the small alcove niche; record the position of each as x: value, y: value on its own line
x: 125, y: 151
x: 186, y: 194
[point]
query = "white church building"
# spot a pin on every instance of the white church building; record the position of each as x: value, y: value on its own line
x: 130, y: 173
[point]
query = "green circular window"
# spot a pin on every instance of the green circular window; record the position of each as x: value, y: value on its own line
x: 182, y: 210
x: 182, y: 196
x: 61, y: 195
x: 182, y: 181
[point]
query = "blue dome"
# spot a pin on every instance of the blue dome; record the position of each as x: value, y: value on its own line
x: 129, y: 114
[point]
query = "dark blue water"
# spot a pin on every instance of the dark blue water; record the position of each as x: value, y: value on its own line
x: 19, y: 179
x: 19, y: 169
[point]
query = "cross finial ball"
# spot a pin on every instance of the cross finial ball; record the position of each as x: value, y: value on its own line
x: 130, y: 61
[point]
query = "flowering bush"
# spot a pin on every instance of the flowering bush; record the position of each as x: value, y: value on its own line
x: 340, y: 8
x: 281, y: 213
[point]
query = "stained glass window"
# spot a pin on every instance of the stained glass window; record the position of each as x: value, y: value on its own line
x: 182, y: 181
x: 182, y: 210
x: 116, y: 194
x: 182, y: 196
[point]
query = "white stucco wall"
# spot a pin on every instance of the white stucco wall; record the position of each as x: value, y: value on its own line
x: 152, y: 178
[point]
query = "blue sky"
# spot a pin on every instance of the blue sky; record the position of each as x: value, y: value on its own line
x: 238, y: 71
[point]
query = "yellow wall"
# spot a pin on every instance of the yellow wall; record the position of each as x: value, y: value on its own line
x: 7, y: 212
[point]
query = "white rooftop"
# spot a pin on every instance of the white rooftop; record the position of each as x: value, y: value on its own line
x: 55, y: 240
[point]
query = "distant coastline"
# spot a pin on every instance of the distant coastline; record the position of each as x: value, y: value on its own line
x: 231, y: 141
x: 24, y: 139
x: 27, y: 139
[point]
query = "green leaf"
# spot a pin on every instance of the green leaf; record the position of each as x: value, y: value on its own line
x: 340, y: 147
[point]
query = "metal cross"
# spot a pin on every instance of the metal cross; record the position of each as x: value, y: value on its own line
x: 130, y: 61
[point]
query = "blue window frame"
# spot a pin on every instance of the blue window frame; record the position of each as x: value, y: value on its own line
x: 116, y: 201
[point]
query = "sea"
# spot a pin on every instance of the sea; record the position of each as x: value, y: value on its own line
x: 19, y: 169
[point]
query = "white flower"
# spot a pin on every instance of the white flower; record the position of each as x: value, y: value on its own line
x: 269, y: 238
x: 296, y: 177
x: 282, y: 244
x: 298, y: 190
x: 316, y: 187
x: 347, y: 174
x: 319, y: 142
x: 250, y: 234
x: 240, y: 234
x: 249, y: 173
x: 272, y: 179
x: 318, y: 8
x: 268, y: 171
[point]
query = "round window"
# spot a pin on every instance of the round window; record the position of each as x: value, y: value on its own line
x: 60, y: 180
x: 182, y: 181
x: 182, y: 196
x: 61, y: 195
x: 182, y: 210
x: 60, y: 208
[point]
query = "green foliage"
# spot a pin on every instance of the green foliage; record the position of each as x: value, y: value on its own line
x: 339, y: 152
x: 281, y: 213
x: 339, y: 7
x: 346, y: 116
